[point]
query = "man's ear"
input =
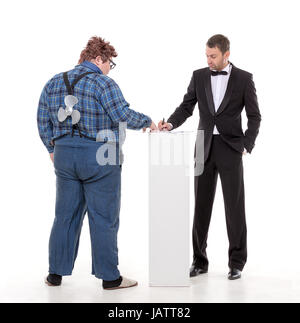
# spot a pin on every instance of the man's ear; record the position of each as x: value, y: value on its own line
x: 227, y: 54
x: 98, y: 59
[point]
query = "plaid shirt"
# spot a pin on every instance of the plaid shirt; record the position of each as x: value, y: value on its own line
x: 100, y: 102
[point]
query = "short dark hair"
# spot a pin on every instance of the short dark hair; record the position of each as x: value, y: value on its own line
x: 219, y: 41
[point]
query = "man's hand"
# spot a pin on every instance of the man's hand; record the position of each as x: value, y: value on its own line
x: 164, y: 126
x: 152, y: 127
x: 52, y: 156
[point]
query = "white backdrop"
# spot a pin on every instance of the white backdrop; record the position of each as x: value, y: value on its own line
x: 159, y: 44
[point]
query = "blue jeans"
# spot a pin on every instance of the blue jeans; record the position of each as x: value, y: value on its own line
x: 82, y: 185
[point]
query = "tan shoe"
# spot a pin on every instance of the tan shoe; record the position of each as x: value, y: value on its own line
x: 126, y: 283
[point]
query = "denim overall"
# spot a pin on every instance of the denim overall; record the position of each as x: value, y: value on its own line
x: 83, y: 185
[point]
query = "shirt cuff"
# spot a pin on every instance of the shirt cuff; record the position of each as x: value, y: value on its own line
x: 50, y: 149
x: 148, y: 123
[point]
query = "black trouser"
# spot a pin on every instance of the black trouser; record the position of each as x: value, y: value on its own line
x: 228, y: 163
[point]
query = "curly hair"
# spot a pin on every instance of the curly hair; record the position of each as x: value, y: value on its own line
x: 97, y: 46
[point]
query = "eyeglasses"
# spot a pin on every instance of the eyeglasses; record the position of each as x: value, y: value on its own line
x: 112, y: 65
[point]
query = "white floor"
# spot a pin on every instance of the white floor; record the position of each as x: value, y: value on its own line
x: 211, y: 287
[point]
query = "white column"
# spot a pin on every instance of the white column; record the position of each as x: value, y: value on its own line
x: 169, y: 208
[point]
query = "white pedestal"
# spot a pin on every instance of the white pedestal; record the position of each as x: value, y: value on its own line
x: 169, y: 209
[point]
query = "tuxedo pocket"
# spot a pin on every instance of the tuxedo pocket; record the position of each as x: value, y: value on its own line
x: 237, y: 132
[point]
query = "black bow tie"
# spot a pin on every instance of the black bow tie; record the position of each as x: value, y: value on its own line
x: 215, y: 73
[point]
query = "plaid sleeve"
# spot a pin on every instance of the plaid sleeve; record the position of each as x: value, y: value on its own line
x: 118, y: 109
x: 44, y: 123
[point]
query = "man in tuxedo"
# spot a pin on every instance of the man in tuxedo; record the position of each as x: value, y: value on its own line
x: 221, y: 91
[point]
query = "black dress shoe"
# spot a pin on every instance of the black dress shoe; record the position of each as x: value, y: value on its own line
x: 195, y: 271
x: 234, y: 274
x: 53, y: 280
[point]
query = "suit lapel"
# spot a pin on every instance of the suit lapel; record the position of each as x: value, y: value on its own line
x: 208, y: 91
x: 229, y: 89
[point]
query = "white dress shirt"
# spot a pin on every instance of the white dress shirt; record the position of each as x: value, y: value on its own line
x: 218, y: 87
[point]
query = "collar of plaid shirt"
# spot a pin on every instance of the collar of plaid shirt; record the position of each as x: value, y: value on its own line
x: 91, y: 66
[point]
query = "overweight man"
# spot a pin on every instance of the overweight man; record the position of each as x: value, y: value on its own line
x: 79, y: 113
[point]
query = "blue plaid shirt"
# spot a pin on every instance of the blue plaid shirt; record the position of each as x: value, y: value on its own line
x: 100, y: 102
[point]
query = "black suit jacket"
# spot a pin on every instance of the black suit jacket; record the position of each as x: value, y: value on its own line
x: 240, y: 93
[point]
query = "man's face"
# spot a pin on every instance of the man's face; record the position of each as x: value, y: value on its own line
x: 215, y: 59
